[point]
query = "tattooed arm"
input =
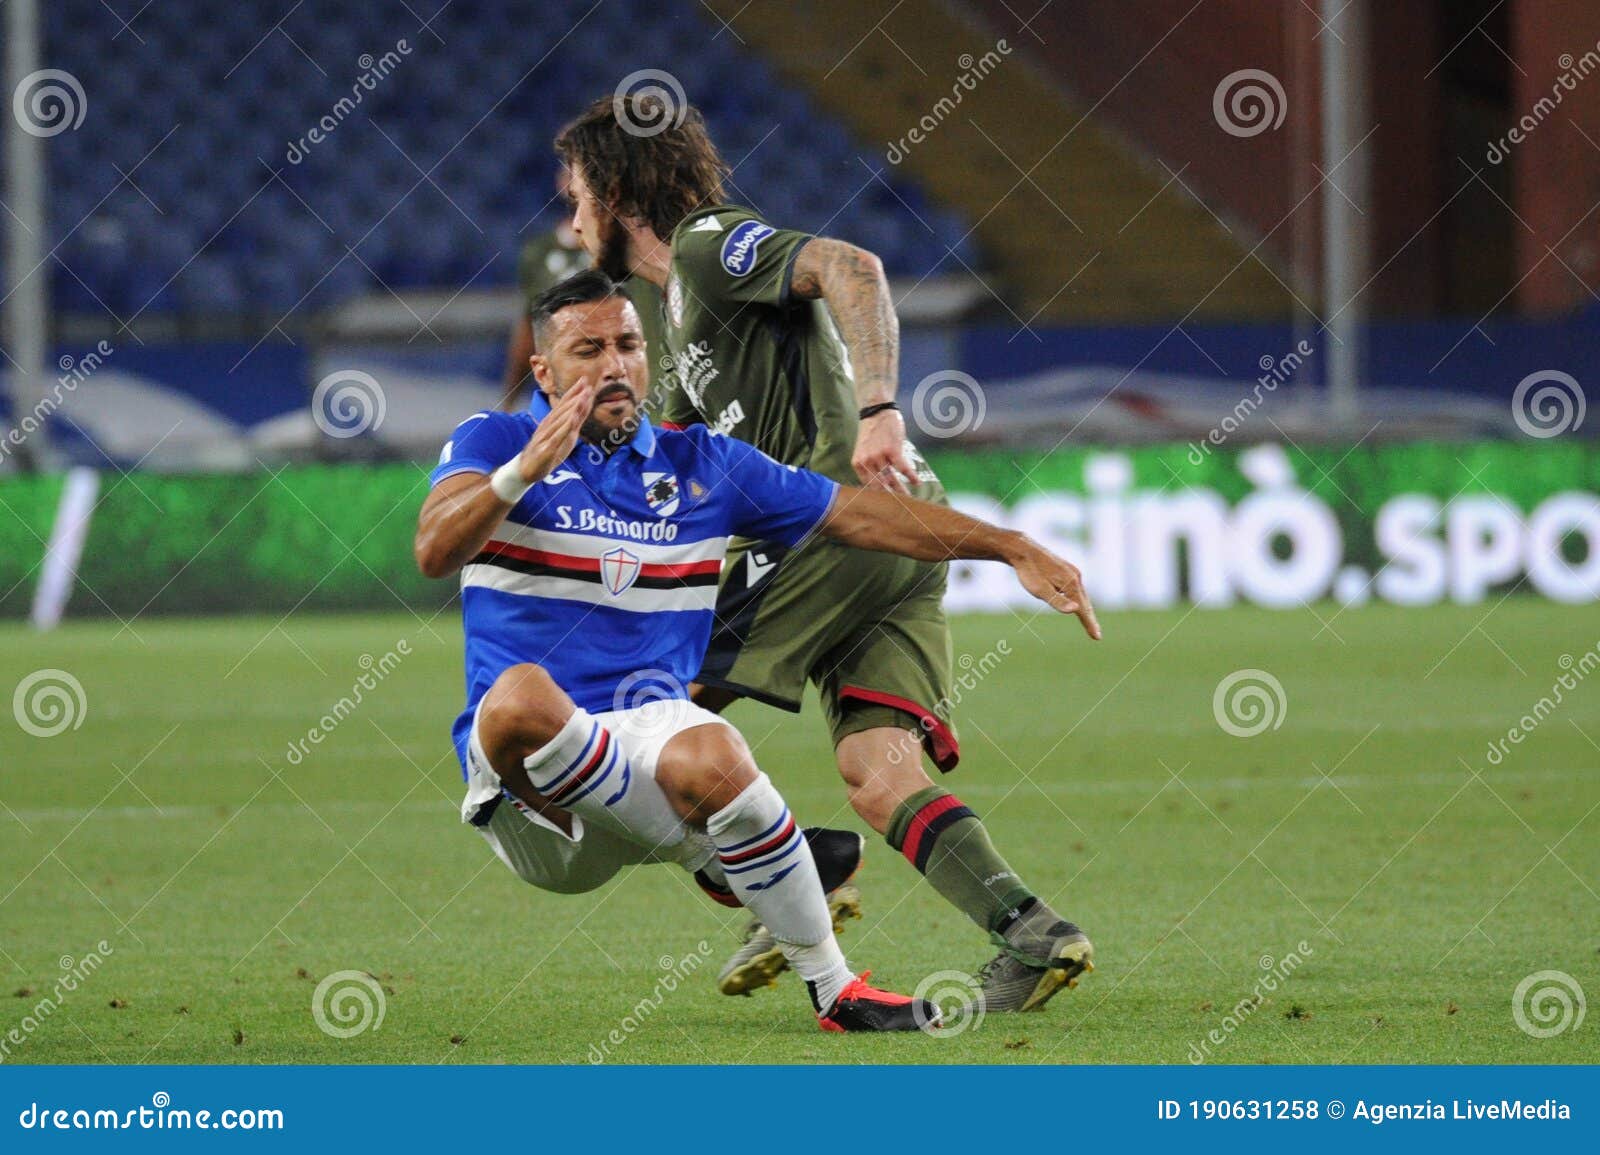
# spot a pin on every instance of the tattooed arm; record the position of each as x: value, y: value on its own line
x: 851, y: 281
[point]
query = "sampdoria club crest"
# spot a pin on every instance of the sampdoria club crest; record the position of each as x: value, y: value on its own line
x: 661, y: 491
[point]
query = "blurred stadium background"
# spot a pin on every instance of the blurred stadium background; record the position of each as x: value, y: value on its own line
x: 287, y: 236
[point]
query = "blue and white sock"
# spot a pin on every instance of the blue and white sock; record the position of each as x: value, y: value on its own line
x: 769, y: 866
x: 584, y: 771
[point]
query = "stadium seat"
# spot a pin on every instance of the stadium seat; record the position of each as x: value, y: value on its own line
x: 478, y: 111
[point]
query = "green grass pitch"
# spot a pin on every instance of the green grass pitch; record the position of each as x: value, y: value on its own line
x: 227, y: 880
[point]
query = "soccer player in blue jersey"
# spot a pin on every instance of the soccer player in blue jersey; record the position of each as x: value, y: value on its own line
x: 589, y: 545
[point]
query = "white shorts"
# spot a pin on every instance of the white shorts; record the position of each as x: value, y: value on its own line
x: 533, y: 846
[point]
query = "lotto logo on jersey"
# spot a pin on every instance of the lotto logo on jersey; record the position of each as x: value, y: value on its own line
x: 739, y: 249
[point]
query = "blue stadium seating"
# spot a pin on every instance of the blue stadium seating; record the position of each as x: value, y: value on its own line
x: 473, y: 105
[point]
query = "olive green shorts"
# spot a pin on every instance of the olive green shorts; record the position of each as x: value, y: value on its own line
x: 867, y: 628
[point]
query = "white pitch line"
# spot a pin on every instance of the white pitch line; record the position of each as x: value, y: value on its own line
x: 1067, y: 785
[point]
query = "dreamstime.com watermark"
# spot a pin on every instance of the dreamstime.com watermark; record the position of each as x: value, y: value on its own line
x: 1572, y: 71
x: 377, y: 669
x: 1248, y: 702
x: 677, y: 971
x: 1548, y: 403
x: 74, y: 372
x: 1275, y: 973
x: 1577, y: 669
x: 49, y: 702
x: 1249, y: 102
x: 348, y: 1003
x: 1548, y: 1003
x: 948, y: 403
x: 1274, y: 372
x: 654, y: 694
x: 74, y: 972
x: 973, y: 69
x: 49, y: 102
x: 373, y: 70
x: 973, y: 673
x: 347, y: 403
x: 959, y: 999
x: 160, y: 1115
x: 649, y: 102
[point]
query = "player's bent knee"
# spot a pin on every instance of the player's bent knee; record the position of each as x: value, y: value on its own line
x: 879, y: 776
x: 525, y: 703
x: 705, y: 768
x: 881, y: 768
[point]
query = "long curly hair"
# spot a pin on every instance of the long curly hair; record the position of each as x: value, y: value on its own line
x: 645, y: 158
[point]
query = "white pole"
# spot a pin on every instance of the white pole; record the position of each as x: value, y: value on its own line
x: 59, y: 573
x: 1303, y: 228
x: 26, y: 320
x: 1343, y: 238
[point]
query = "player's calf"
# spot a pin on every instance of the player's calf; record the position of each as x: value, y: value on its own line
x: 881, y: 768
x: 769, y: 865
x: 1040, y: 952
x: 759, y: 960
x: 838, y: 854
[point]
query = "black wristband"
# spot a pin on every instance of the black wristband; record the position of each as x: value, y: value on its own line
x: 874, y: 410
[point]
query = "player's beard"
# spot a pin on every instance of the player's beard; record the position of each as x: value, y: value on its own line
x: 610, y: 437
x: 612, y: 258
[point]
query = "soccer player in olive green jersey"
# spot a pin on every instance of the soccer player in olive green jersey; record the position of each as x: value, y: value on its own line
x: 547, y: 260
x: 790, y: 342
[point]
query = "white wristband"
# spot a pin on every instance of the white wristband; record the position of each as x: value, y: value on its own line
x: 507, y: 482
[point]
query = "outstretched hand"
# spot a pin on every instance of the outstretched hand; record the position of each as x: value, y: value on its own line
x: 553, y: 441
x: 1059, y: 585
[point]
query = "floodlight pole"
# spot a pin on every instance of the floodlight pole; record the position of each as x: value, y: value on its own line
x: 1345, y: 172
x: 26, y: 321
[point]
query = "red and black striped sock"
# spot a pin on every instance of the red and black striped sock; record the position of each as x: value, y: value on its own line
x: 948, y: 844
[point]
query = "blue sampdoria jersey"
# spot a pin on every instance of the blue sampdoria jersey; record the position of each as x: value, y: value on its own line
x: 608, y: 567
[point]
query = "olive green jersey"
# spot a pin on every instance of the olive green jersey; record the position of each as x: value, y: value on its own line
x: 545, y: 262
x: 750, y: 359
x: 755, y: 362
